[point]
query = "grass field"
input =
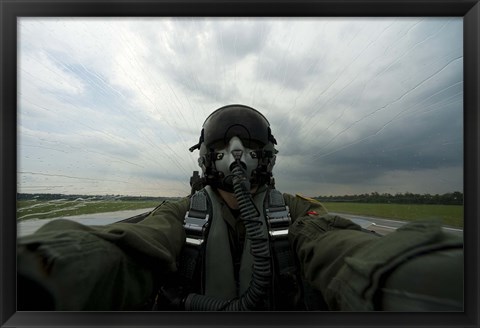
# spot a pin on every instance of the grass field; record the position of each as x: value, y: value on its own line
x: 31, y: 209
x: 450, y: 215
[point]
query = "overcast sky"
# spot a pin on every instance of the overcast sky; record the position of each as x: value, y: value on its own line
x: 111, y: 106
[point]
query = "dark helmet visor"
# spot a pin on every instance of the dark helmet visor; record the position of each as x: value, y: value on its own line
x: 236, y: 120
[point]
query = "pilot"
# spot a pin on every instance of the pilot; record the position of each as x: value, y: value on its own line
x: 238, y: 244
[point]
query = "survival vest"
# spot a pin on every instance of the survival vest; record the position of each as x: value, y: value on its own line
x: 206, y: 264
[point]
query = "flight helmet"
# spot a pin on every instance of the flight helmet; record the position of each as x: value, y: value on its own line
x: 236, y: 134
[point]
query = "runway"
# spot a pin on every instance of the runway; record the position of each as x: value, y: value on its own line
x: 385, y: 226
x: 29, y: 226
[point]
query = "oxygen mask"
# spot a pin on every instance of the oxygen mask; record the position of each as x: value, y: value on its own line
x: 234, y: 155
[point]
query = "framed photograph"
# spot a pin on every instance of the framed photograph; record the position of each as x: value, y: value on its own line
x: 366, y: 100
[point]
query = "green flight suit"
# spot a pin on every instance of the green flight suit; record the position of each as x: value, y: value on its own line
x: 68, y: 266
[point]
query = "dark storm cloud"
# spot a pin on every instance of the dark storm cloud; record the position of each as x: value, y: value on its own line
x: 411, y: 144
x: 404, y: 115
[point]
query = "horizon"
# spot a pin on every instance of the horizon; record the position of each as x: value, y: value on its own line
x: 312, y: 196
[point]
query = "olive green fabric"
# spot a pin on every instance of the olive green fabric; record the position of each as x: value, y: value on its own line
x: 119, y: 266
x: 358, y: 283
x: 411, y: 287
x: 321, y: 244
x: 82, y: 271
x: 219, y: 275
x: 111, y: 267
x: 350, y: 267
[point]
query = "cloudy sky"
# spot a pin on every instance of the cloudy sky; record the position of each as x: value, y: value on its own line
x: 111, y: 106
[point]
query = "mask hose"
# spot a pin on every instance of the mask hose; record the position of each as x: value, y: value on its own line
x: 256, y: 232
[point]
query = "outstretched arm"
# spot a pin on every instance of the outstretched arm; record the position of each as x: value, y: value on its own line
x: 419, y: 267
x: 69, y: 266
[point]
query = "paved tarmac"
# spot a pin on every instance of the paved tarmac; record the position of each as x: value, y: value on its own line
x: 385, y: 226
x: 29, y: 226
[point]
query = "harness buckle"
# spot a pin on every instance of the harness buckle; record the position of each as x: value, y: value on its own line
x: 195, y: 228
x: 278, y: 221
x: 196, y: 219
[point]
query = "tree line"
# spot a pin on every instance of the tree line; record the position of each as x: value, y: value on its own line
x: 452, y: 198
x: 48, y: 197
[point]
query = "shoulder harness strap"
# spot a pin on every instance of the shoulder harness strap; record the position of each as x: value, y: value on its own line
x: 287, y: 294
x: 278, y: 218
x: 195, y: 224
x: 278, y: 214
x: 190, y: 260
x: 197, y: 219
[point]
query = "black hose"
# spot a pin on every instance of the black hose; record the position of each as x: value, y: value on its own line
x: 257, y: 233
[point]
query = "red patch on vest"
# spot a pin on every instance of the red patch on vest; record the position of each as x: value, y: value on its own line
x: 312, y: 213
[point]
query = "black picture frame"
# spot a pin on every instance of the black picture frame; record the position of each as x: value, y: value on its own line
x: 10, y: 10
